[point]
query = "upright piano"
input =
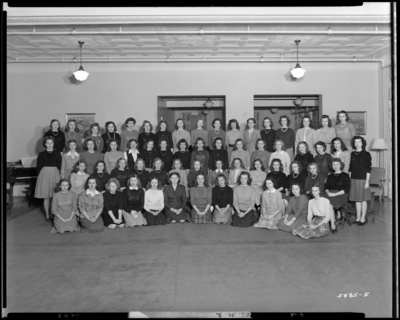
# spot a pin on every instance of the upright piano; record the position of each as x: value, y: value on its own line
x: 16, y: 173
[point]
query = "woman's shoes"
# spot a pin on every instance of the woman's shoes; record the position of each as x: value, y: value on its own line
x: 334, y: 231
x: 363, y: 223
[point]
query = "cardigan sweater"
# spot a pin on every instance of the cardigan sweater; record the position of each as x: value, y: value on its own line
x: 251, y: 139
x: 271, y: 202
x: 297, y: 206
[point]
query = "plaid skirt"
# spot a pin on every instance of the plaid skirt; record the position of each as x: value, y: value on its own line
x: 268, y: 222
x: 131, y: 221
x: 207, y: 218
x: 305, y: 232
x: 225, y: 218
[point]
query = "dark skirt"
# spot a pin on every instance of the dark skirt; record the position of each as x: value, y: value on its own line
x: 338, y: 201
x: 60, y: 226
x: 107, y: 219
x: 357, y: 191
x: 196, y: 218
x: 225, y: 218
x: 89, y: 226
x: 46, y: 182
x: 247, y: 221
x: 177, y: 217
x: 153, y: 220
x: 297, y: 223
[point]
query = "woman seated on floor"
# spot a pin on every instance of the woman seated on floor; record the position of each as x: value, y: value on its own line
x: 91, y: 205
x: 271, y: 206
x: 222, y: 200
x: 200, y: 198
x: 175, y: 200
x: 319, y: 214
x: 244, y: 199
x: 337, y: 186
x: 133, y: 200
x: 113, y: 205
x: 64, y: 208
x: 296, y: 211
x: 154, y: 204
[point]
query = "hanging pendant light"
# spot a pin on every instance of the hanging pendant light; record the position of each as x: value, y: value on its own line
x: 208, y: 104
x: 298, y: 71
x: 81, y: 74
x: 298, y: 101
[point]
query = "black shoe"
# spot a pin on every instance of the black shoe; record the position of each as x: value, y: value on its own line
x: 334, y: 231
x: 355, y: 222
x: 363, y: 223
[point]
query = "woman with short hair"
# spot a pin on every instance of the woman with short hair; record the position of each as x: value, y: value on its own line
x: 268, y: 135
x: 145, y: 135
x: 313, y: 178
x: 128, y: 134
x: 69, y: 159
x: 200, y: 154
x: 165, y: 154
x: 141, y: 172
x: 175, y: 200
x: 57, y: 135
x: 344, y: 129
x: 232, y: 134
x: 149, y: 153
x: 110, y: 135
x: 113, y: 205
x: 112, y: 155
x: 306, y: 133
x: 325, y: 133
x: 94, y: 133
x: 297, y: 175
x: 183, y: 154
x: 91, y: 205
x: 276, y: 172
x: 154, y: 204
x: 244, y: 199
x: 286, y: 135
x: 196, y: 169
x: 78, y: 177
x: 237, y: 167
x: 258, y: 177
x: 200, y: 198
x: 165, y: 134
x: 158, y: 173
x: 121, y: 173
x: 212, y: 176
x: 90, y: 154
x: 101, y: 175
x: 282, y: 155
x: 72, y: 133
x: 133, y: 203
x: 215, y: 132
x: 199, y: 132
x: 239, y: 151
x: 180, y: 133
x: 177, y: 167
x: 222, y: 200
x: 251, y: 135
x: 261, y: 154
x: 132, y: 154
x: 303, y: 154
x: 218, y: 153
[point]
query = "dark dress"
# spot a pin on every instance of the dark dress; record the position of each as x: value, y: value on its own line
x: 48, y: 169
x: 324, y: 163
x: 304, y: 159
x: 59, y: 140
x: 110, y: 136
x: 221, y: 198
x: 280, y: 179
x: 102, y: 180
x: 144, y: 177
x: 133, y: 200
x: 121, y: 175
x: 167, y: 135
x: 360, y: 165
x: 218, y: 154
x: 112, y: 202
x: 335, y: 183
x: 300, y: 179
x: 167, y: 157
x: 184, y: 157
x: 175, y: 199
x: 192, y: 176
x: 148, y: 157
x: 269, y: 139
x: 143, y: 137
x: 202, y: 156
x: 162, y: 176
x: 320, y: 180
x: 131, y: 160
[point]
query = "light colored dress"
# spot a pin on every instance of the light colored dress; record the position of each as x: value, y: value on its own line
x: 110, y: 159
x: 257, y: 183
x: 270, y: 204
x: 345, y: 157
x: 178, y: 135
x: 230, y: 139
x: 78, y: 181
x: 199, y: 133
x: 326, y: 135
x: 244, y: 155
x: 285, y: 159
x: 68, y: 162
x: 251, y: 139
x: 64, y: 204
x: 308, y: 135
x: 346, y: 133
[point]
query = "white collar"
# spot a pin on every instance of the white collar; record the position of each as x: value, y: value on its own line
x: 279, y: 152
x: 251, y: 130
x: 81, y: 174
x: 90, y: 192
x: 73, y: 154
x: 131, y: 188
x: 130, y: 151
x: 273, y: 190
x: 217, y: 170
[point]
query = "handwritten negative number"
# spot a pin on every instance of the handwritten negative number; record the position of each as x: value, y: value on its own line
x: 353, y: 295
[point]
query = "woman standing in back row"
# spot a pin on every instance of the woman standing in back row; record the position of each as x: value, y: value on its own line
x: 326, y: 133
x: 251, y: 135
x: 306, y: 133
x: 72, y: 133
x: 286, y: 135
x: 180, y: 133
x: 233, y: 133
x: 57, y: 134
x: 111, y: 134
x: 268, y: 134
x: 344, y: 129
x: 216, y: 132
x: 128, y: 134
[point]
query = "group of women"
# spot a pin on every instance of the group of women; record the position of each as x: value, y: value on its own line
x: 251, y: 178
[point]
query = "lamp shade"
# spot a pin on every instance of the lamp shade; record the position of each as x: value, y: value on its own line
x: 81, y: 74
x: 379, y: 144
x: 298, y: 71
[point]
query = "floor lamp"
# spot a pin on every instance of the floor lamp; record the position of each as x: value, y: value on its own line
x: 379, y: 145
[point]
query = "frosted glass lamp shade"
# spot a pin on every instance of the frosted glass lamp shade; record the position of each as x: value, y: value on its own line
x: 81, y: 74
x: 379, y: 144
x: 298, y: 71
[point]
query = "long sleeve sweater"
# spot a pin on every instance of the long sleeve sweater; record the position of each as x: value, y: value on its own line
x: 175, y: 198
x: 153, y: 200
x: 338, y: 182
x: 360, y: 165
x: 48, y: 159
x: 244, y: 155
x: 200, y: 197
x: 127, y: 135
x: 222, y: 197
x: 59, y: 140
x: 110, y: 159
x: 308, y: 135
x: 244, y: 197
x: 297, y: 206
x: 110, y: 136
x: 285, y: 159
x: 133, y: 199
x: 212, y: 135
x: 287, y: 137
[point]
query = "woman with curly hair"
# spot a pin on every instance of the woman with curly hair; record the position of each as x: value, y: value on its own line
x: 195, y: 170
x: 261, y: 154
x: 183, y: 154
x: 90, y: 154
x: 164, y: 133
x: 112, y: 155
x: 286, y: 135
x: 282, y: 155
x: 199, y: 132
x: 165, y: 154
x: 133, y: 203
x: 313, y: 178
x: 258, y: 177
x: 94, y: 133
x: 303, y: 154
x: 319, y: 214
x: 237, y: 167
x: 323, y: 160
x: 72, y: 133
x: 110, y: 135
x: 339, y: 150
x: 101, y: 175
x: 218, y: 153
x: 360, y: 172
x: 78, y: 177
x: 215, y: 132
x: 149, y: 153
x: 145, y: 135
x: 57, y: 135
x: 271, y: 206
x: 239, y: 151
x: 200, y: 199
x: 177, y: 167
x: 276, y: 173
x: 121, y: 173
x: 268, y: 135
x: 132, y: 154
x: 344, y: 129
x: 64, y: 208
x: 175, y: 200
x: 200, y: 154
x: 306, y: 133
x: 296, y: 211
x: 128, y: 134
x: 232, y: 134
x: 325, y: 133
x: 180, y: 133
x: 212, y: 176
x: 91, y: 205
x: 158, y: 173
x: 154, y: 204
x: 244, y: 199
x: 222, y: 200
x: 297, y: 175
x: 113, y: 205
x: 69, y: 159
x: 251, y: 135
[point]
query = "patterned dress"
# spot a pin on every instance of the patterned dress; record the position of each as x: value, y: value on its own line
x: 271, y: 203
x: 201, y: 197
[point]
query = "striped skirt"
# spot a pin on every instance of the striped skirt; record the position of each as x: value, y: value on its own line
x: 225, y: 218
x: 358, y: 193
x: 46, y: 182
x: 131, y: 221
x: 196, y: 218
x: 305, y: 232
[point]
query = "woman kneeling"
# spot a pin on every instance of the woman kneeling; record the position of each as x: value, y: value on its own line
x: 113, y: 205
x: 133, y: 199
x: 244, y: 199
x: 154, y: 204
x: 200, y: 198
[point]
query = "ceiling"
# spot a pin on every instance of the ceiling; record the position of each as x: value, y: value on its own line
x: 45, y: 40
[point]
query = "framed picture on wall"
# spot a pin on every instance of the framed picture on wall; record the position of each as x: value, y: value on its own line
x: 359, y: 120
x: 84, y: 120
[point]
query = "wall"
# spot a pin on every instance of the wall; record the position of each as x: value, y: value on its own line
x: 37, y: 93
